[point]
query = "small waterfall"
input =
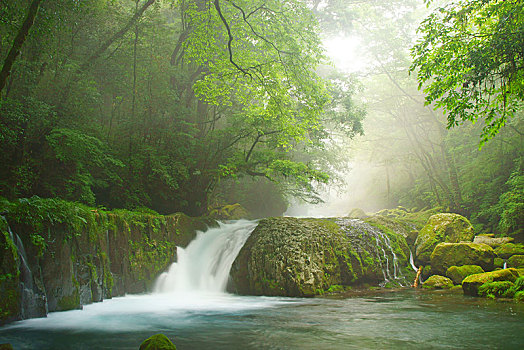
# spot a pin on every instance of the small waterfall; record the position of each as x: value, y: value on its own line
x: 361, y: 234
x: 204, y: 265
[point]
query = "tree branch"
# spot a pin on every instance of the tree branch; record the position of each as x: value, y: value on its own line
x: 18, y: 42
x: 230, y: 35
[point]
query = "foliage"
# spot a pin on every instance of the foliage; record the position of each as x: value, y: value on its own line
x: 470, y: 61
x: 111, y: 106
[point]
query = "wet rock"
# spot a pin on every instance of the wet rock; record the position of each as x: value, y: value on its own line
x: 472, y: 283
x: 437, y: 282
x: 458, y: 273
x: 506, y: 250
x: 446, y: 227
x: 446, y: 255
x: 157, y: 342
x: 516, y: 261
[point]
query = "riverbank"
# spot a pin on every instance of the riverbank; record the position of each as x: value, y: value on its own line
x: 58, y: 255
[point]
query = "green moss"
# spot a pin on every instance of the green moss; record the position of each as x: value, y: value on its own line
x: 516, y: 261
x: 497, y: 289
x: 69, y: 302
x: 445, y: 227
x: 458, y: 273
x: 519, y: 296
x: 505, y: 251
x: 437, y: 282
x: 446, y: 255
x: 472, y: 283
x: 157, y: 342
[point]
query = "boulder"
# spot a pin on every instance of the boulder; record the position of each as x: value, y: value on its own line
x: 230, y: 212
x: 446, y: 255
x: 357, y: 213
x: 497, y: 289
x: 498, y: 263
x: 157, y: 342
x: 303, y: 257
x: 516, y: 261
x: 493, y: 242
x: 446, y: 227
x: 506, y: 250
x: 458, y: 273
x: 437, y: 282
x: 472, y: 283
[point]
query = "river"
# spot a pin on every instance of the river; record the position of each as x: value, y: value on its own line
x: 190, y: 306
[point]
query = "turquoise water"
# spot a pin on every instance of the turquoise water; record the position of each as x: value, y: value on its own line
x: 405, y: 319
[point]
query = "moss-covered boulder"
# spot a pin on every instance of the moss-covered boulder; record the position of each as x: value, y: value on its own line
x: 304, y: 257
x: 516, y: 261
x: 157, y: 342
x: 446, y: 227
x: 437, y: 282
x: 498, y: 263
x: 230, y: 212
x: 458, y: 273
x: 357, y: 213
x: 492, y: 241
x: 505, y: 251
x: 446, y: 255
x: 497, y: 289
x: 472, y: 283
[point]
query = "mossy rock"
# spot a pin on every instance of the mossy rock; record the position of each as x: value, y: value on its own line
x: 458, y: 273
x: 437, y: 282
x: 497, y: 289
x: 519, y: 296
x: 306, y: 257
x: 505, y: 251
x: 230, y: 212
x: 498, y: 263
x: 492, y: 241
x: 516, y: 261
x: 446, y: 255
x: 157, y: 342
x: 357, y: 213
x: 445, y: 227
x: 472, y: 283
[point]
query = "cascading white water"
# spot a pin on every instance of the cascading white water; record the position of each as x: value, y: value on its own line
x: 203, y: 266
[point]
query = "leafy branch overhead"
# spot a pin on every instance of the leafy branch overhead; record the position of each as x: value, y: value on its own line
x: 471, y: 63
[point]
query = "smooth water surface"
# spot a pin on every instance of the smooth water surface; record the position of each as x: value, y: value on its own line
x: 404, y: 319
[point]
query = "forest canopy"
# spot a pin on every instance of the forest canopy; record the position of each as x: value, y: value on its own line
x: 156, y: 103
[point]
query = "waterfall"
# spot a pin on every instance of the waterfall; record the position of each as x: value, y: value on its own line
x: 363, y: 235
x: 204, y: 265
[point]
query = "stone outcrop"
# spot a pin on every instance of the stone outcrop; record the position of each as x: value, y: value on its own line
x: 446, y: 227
x: 472, y: 283
x: 98, y: 256
x: 446, y: 255
x: 304, y: 257
x: 458, y: 273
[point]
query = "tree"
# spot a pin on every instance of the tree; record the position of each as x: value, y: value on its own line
x: 470, y: 61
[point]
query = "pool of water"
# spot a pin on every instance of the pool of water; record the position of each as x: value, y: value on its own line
x: 381, y: 319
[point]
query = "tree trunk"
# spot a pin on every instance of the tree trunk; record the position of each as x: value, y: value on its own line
x: 18, y: 42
